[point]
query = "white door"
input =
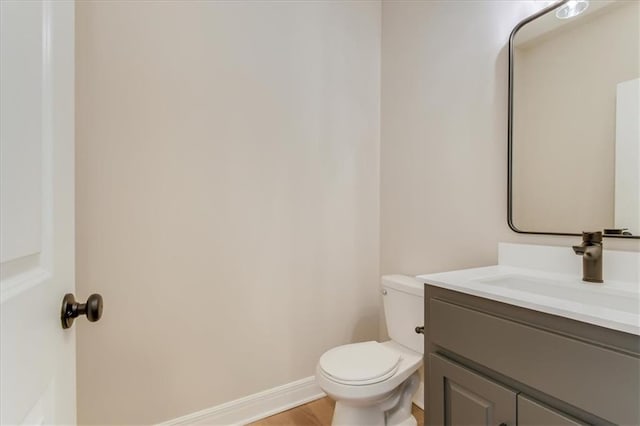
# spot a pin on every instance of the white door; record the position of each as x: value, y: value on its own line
x: 37, y: 356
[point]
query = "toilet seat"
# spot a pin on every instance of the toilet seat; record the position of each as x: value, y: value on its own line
x: 359, y: 364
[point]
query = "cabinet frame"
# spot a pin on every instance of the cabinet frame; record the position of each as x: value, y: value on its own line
x: 625, y: 344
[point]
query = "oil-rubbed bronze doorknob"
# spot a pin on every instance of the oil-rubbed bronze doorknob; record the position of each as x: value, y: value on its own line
x: 72, y: 309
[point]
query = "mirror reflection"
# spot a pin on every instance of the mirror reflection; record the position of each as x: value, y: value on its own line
x: 575, y: 126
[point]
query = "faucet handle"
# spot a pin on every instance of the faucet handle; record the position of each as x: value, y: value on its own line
x: 592, y: 237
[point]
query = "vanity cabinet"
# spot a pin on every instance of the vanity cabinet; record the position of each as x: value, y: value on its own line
x: 485, y: 361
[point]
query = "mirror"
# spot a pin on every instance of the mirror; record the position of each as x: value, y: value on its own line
x: 574, y: 120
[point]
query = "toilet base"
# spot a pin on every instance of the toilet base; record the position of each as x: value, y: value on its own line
x: 392, y: 411
x: 411, y: 421
x: 365, y: 417
x: 348, y: 415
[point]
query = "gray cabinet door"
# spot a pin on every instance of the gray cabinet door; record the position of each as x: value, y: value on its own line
x: 533, y: 413
x: 459, y: 396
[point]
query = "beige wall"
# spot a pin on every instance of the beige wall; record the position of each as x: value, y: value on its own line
x: 443, y: 135
x: 565, y: 118
x: 443, y: 146
x: 228, y: 185
x: 227, y: 197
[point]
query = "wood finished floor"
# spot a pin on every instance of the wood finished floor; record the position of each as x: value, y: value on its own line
x: 316, y: 413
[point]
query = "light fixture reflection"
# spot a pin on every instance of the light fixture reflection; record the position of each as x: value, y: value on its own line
x: 572, y: 8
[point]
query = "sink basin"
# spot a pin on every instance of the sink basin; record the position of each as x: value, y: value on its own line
x: 596, y: 295
x: 548, y: 279
x: 614, y: 304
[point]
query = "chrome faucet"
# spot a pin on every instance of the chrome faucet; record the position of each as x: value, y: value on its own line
x: 591, y: 252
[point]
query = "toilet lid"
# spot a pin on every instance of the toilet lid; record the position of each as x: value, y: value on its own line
x: 360, y: 363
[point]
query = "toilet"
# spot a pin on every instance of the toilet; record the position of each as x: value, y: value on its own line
x: 373, y: 383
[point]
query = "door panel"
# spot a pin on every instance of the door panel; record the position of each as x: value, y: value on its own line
x: 463, y: 406
x: 22, y: 73
x: 459, y: 396
x: 37, y: 358
x: 532, y: 413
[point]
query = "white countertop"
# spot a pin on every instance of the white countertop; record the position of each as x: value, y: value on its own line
x: 615, y: 304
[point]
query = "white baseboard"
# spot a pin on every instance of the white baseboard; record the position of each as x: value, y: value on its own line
x: 418, y: 398
x: 254, y: 407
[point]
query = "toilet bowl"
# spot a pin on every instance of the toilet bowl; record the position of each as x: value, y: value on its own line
x: 373, y: 383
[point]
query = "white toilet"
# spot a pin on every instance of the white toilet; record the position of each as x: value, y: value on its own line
x: 373, y: 383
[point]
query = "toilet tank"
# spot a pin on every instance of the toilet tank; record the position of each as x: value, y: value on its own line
x: 403, y: 299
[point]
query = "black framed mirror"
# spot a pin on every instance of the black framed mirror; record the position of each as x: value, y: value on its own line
x: 574, y: 120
